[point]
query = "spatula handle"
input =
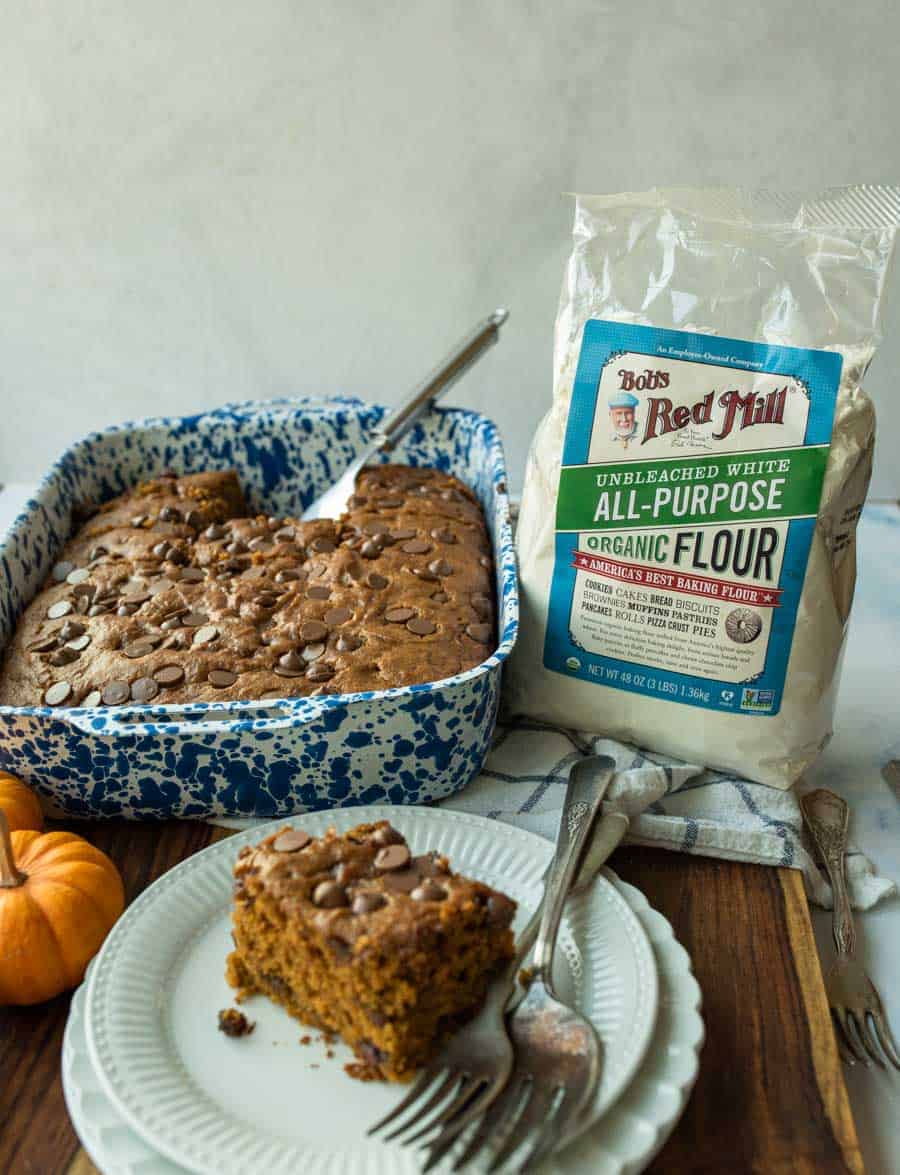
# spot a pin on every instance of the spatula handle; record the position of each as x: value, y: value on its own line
x: 460, y: 359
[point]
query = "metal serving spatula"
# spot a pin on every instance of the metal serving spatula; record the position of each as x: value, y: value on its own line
x: 333, y: 502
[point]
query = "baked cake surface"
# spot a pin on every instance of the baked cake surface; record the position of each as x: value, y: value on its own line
x: 354, y: 935
x: 172, y: 593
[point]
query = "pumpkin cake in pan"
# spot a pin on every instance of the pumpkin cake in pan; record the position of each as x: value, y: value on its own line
x: 172, y: 593
x: 354, y: 935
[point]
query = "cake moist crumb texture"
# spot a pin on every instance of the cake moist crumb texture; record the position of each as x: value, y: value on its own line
x: 354, y: 934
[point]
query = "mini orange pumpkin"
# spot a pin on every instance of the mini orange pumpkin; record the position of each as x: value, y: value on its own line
x: 59, y: 897
x: 21, y: 805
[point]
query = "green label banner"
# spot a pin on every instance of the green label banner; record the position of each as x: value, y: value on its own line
x: 780, y: 483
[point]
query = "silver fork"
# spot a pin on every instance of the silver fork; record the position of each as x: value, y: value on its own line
x: 474, y: 1065
x: 556, y: 1051
x: 852, y: 996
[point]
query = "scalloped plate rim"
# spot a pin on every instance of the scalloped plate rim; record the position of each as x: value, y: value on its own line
x: 531, y: 845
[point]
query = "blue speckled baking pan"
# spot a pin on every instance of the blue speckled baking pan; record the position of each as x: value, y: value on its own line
x: 407, y: 745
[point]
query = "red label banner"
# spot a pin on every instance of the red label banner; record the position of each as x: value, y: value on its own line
x: 677, y: 581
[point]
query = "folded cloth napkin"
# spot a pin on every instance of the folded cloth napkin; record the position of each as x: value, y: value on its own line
x: 671, y: 804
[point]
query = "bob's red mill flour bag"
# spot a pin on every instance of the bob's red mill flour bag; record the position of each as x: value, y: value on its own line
x: 687, y: 531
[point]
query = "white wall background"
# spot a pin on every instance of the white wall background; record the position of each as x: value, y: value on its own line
x: 214, y: 200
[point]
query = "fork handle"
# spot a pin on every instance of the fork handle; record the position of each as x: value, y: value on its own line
x: 827, y: 817
x: 588, y: 781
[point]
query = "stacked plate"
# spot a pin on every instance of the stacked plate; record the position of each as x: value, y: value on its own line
x: 154, y: 1089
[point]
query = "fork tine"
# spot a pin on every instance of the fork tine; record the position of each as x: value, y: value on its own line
x: 843, y: 1032
x: 865, y: 1035
x: 436, y: 1096
x: 547, y: 1140
x: 461, y: 1120
x: 886, y: 1037
x: 497, y: 1113
x: 848, y: 1023
x: 531, y: 1116
x: 461, y: 1095
x: 422, y: 1083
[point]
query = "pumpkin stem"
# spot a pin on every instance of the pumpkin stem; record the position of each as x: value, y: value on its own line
x: 10, y: 876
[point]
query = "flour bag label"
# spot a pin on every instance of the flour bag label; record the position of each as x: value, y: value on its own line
x: 691, y: 477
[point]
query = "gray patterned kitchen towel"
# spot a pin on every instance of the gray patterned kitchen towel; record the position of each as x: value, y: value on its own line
x: 673, y: 805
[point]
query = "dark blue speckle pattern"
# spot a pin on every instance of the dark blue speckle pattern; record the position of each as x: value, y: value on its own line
x: 404, y: 746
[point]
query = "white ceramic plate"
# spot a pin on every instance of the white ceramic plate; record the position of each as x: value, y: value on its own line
x: 264, y: 1103
x: 623, y: 1143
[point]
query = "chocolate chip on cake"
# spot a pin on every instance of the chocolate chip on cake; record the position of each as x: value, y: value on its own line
x: 367, y: 901
x: 169, y: 675
x: 59, y: 609
x: 215, y: 531
x: 144, y: 689
x: 78, y: 643
x: 291, y: 841
x: 416, y: 547
x: 313, y: 630
x: 444, y: 536
x: 482, y: 605
x: 314, y: 651
x: 57, y: 693
x: 441, y: 567
x: 480, y: 632
x: 440, y: 597
x: 43, y: 644
x: 392, y: 857
x: 428, y: 891
x: 421, y: 626
x: 289, y: 575
x: 206, y: 634
x: 194, y: 619
x: 386, y: 834
x: 192, y: 575
x: 370, y: 549
x: 318, y: 592
x: 330, y: 895
x: 322, y: 546
x: 71, y: 629
x: 135, y: 598
x: 63, y: 656
x: 138, y: 521
x: 169, y: 514
x: 376, y: 581
x: 138, y: 648
x: 292, y: 660
x: 347, y: 642
x: 335, y: 616
x: 115, y: 693
x: 260, y: 543
x: 170, y: 622
x: 399, y: 615
x: 79, y: 575
x: 425, y: 573
x: 194, y: 519
x: 320, y: 671
x: 94, y: 698
x: 221, y: 678
x: 61, y: 570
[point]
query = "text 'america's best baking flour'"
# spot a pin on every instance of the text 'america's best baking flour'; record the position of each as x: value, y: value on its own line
x: 687, y: 531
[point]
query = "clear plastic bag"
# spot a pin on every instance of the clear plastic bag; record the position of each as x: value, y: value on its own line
x: 770, y: 270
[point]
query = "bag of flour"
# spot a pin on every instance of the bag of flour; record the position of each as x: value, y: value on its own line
x: 687, y: 530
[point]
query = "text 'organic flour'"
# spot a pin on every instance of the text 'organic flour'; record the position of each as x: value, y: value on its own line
x: 687, y: 532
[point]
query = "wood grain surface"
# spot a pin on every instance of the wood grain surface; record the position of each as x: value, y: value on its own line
x: 770, y: 1097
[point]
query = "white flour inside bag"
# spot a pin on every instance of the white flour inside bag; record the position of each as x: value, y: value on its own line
x: 687, y: 532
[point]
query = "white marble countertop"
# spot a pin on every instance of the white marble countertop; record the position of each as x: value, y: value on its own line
x: 866, y: 736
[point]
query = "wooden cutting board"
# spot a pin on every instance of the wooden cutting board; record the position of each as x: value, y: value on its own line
x: 770, y: 1097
